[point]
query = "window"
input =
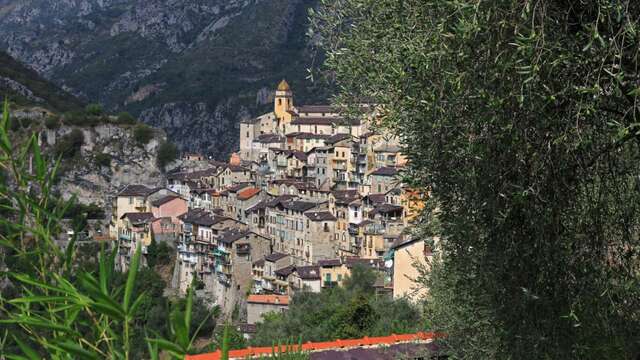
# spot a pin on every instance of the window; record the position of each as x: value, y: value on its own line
x: 339, y: 277
x: 279, y: 101
x: 130, y: 200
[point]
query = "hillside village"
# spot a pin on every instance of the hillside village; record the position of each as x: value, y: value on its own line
x: 309, y: 195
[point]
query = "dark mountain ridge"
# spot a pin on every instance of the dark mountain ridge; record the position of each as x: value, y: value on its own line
x: 194, y: 68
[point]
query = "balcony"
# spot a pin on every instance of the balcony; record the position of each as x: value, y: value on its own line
x: 124, y: 237
x: 220, y: 252
x: 243, y: 249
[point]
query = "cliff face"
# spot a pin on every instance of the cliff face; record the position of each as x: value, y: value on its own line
x: 130, y: 163
x: 178, y: 64
x: 34, y: 99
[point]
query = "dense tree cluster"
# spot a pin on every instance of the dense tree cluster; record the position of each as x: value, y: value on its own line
x: 351, y: 311
x: 522, y: 120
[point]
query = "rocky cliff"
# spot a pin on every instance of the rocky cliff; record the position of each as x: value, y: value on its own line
x: 192, y: 67
x: 95, y: 182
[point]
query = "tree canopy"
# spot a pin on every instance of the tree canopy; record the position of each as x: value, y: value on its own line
x: 522, y: 120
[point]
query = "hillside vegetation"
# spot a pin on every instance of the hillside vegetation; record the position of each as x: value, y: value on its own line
x: 25, y: 87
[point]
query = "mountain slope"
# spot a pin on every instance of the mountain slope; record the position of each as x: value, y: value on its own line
x: 24, y: 87
x: 194, y: 68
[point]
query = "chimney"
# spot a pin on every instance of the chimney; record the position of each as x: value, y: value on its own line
x: 234, y: 159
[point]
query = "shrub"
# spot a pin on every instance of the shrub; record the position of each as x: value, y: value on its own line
x: 142, y: 134
x: 52, y: 122
x: 167, y: 152
x: 94, y: 109
x: 103, y: 159
x: 125, y: 118
x: 77, y: 118
x: 69, y: 145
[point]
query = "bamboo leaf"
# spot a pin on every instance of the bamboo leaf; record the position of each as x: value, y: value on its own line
x: 169, y: 346
x: 27, y: 350
x: 188, y: 309
x: 131, y: 279
x: 75, y: 349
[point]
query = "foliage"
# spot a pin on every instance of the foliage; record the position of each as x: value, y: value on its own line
x: 142, y: 134
x: 62, y: 307
x: 522, y: 121
x: 103, y: 159
x: 68, y: 146
x: 124, y: 118
x: 50, y: 95
x: 339, y: 312
x: 158, y: 253
x: 94, y: 109
x: 167, y: 152
x: 52, y: 122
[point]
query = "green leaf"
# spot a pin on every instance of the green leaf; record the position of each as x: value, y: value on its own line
x: 38, y: 299
x: 27, y: 350
x: 39, y: 323
x: 75, y: 349
x: 38, y: 162
x: 131, y: 279
x: 188, y: 309
x: 169, y: 346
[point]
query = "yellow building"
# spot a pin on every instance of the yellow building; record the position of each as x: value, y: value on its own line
x: 283, y: 106
x: 407, y: 258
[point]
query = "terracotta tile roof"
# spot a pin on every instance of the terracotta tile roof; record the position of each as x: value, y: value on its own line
x: 137, y: 190
x: 268, y: 299
x: 164, y: 200
x: 385, y: 171
x: 317, y: 109
x: 310, y: 272
x: 231, y: 236
x: 314, y: 121
x: 328, y: 263
x: 248, y: 193
x: 391, y: 340
x: 320, y: 216
x: 275, y: 257
x: 269, y: 139
x: 285, y: 271
x: 138, y: 217
x: 337, y: 138
x: 259, y: 263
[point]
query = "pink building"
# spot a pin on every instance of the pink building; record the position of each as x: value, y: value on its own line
x: 166, y: 211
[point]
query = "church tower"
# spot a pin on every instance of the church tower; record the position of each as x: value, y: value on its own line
x: 283, y: 103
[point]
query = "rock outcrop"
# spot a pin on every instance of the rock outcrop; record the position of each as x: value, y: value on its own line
x: 199, y: 65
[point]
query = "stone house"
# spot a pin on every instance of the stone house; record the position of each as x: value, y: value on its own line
x: 273, y: 262
x: 259, y: 305
x: 306, y: 278
x: 133, y: 198
x: 234, y: 254
x: 319, y: 241
x: 285, y: 223
x: 135, y: 231
x: 383, y: 179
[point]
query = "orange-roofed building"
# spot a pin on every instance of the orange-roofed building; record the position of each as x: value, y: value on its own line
x: 248, y: 193
x: 406, y: 346
x: 258, y: 305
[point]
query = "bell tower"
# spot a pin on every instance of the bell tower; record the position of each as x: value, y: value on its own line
x: 283, y: 102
